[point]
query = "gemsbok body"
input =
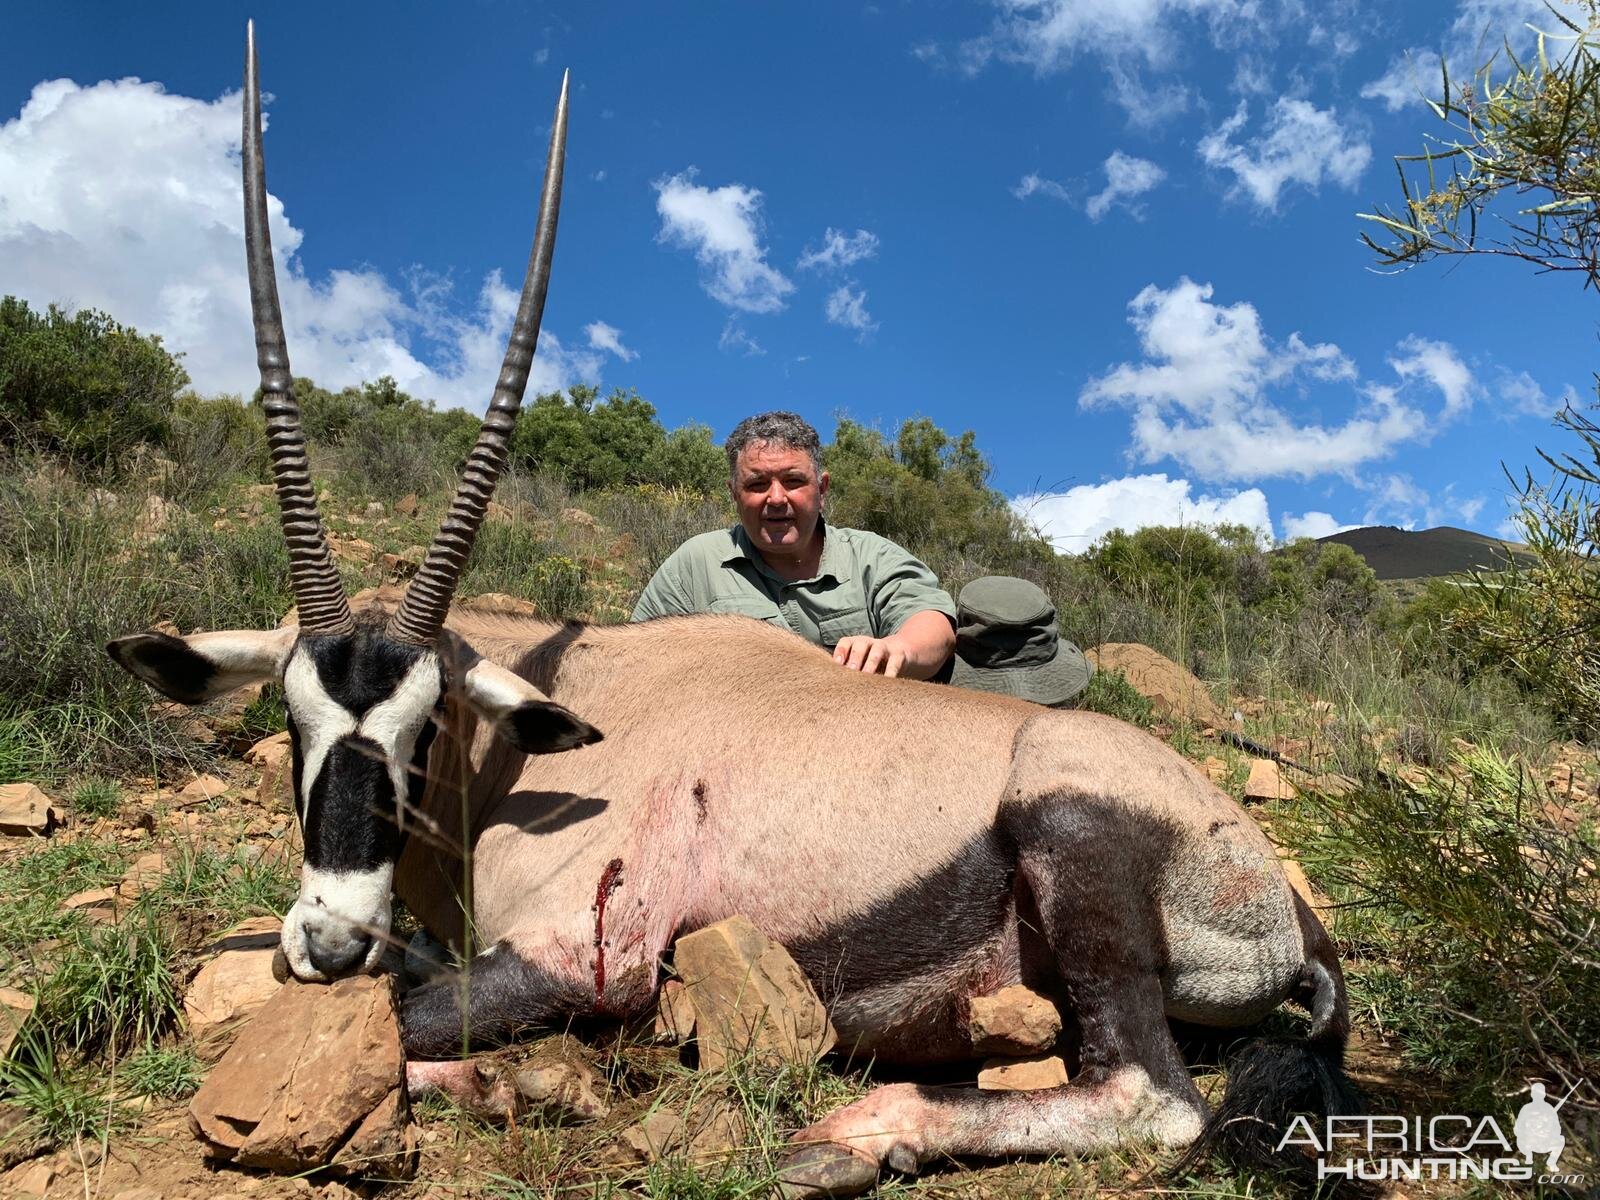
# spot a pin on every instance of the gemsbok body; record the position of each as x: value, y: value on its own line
x: 593, y: 792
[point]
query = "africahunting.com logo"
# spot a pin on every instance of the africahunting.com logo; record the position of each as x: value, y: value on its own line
x: 1445, y: 1146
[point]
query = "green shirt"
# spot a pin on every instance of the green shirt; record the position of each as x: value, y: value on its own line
x: 865, y: 585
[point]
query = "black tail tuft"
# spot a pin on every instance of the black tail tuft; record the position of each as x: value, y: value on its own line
x: 1270, y: 1081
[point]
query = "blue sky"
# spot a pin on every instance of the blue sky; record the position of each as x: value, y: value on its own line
x: 1117, y: 238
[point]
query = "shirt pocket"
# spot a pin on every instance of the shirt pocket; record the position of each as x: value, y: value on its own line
x: 758, y: 607
x: 834, y: 629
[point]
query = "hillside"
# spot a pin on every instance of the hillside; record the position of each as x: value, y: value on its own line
x: 1421, y: 554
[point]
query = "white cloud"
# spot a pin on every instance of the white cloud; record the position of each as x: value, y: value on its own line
x: 723, y: 228
x: 1300, y: 144
x: 840, y: 250
x: 1126, y: 177
x: 1470, y: 508
x: 1438, y: 363
x: 848, y: 307
x: 1032, y: 184
x: 122, y: 197
x: 1049, y: 34
x: 1137, y: 42
x: 735, y: 340
x: 1522, y: 393
x: 1203, y: 393
x: 1072, y: 520
x: 608, y: 338
x: 1481, y: 30
x: 1311, y: 525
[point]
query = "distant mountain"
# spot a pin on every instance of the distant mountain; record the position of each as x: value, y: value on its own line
x: 1420, y: 554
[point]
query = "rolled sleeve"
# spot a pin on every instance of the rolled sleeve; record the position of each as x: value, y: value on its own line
x: 901, y: 587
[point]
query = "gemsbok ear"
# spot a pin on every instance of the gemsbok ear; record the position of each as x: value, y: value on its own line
x: 204, y: 665
x: 523, y: 715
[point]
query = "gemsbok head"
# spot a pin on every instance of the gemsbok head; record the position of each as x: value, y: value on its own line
x: 362, y: 690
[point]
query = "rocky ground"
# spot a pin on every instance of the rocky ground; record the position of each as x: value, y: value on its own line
x: 255, y: 1086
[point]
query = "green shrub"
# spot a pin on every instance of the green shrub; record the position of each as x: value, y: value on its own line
x: 1476, y: 914
x: 82, y: 386
x: 97, y: 796
x: 166, y: 1072
x: 1109, y: 692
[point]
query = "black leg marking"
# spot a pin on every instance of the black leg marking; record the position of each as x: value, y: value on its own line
x: 501, y: 996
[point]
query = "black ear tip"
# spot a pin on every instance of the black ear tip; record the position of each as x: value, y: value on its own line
x: 541, y: 727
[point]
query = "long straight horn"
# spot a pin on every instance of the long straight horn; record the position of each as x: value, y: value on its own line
x: 317, y: 590
x: 422, y: 612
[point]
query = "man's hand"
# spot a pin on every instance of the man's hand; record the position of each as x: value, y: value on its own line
x: 874, y: 656
x: 916, y: 650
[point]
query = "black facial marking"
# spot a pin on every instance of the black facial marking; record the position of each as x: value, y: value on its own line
x: 350, y: 814
x: 361, y: 669
x: 542, y: 727
x: 699, y: 800
x: 166, y: 663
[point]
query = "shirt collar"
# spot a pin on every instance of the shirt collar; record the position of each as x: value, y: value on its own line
x: 835, y: 564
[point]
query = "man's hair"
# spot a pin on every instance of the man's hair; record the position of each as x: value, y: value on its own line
x: 776, y: 429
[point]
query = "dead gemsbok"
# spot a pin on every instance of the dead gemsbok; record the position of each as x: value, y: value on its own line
x: 913, y: 845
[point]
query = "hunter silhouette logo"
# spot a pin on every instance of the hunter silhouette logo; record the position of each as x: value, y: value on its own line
x: 1445, y: 1146
x: 1538, y: 1129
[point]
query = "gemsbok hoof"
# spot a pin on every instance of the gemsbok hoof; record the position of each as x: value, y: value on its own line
x: 825, y: 1170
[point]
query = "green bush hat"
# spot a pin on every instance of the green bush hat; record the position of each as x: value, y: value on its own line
x: 1007, y: 642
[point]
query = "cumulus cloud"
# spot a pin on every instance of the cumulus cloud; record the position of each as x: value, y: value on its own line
x: 1311, y: 525
x: 1481, y: 29
x: 1440, y: 365
x: 1203, y: 394
x: 839, y: 250
x: 608, y: 338
x: 1299, y: 144
x: 1032, y: 184
x: 1072, y: 520
x: 723, y: 228
x: 847, y: 306
x: 122, y: 197
x: 1126, y: 177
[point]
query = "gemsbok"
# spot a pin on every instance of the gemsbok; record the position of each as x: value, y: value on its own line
x: 912, y: 845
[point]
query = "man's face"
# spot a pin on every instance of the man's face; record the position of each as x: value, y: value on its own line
x: 779, y: 496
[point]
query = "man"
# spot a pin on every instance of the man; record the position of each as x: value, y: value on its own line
x: 875, y: 606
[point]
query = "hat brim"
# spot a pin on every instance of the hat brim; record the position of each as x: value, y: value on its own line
x: 1049, y: 683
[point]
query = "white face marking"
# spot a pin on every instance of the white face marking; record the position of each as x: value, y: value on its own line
x: 336, y: 910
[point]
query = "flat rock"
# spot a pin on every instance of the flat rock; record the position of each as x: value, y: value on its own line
x: 749, y: 997
x: 232, y: 986
x: 1171, y: 689
x: 146, y: 873
x: 25, y: 811
x: 30, y: 1179
x: 1266, y: 782
x: 297, y: 1088
x: 1015, y: 1020
x: 201, y: 789
x: 1022, y: 1074
x: 15, y: 1009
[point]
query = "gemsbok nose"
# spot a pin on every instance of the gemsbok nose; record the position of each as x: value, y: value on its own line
x: 339, y: 951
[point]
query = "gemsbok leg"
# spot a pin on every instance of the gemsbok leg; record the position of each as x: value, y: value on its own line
x: 1100, y: 918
